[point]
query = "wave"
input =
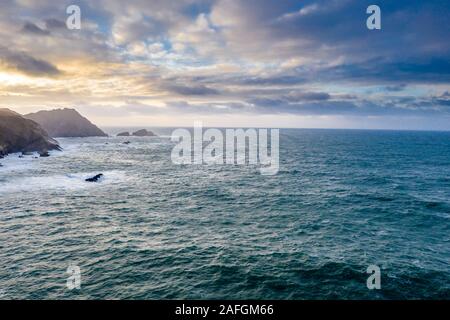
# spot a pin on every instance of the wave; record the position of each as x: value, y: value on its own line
x: 20, y: 162
x: 16, y: 162
x: 65, y: 182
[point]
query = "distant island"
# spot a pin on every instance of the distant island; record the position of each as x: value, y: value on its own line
x: 65, y: 123
x: 139, y: 133
x: 18, y: 134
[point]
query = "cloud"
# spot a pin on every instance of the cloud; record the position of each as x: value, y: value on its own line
x: 420, y: 70
x: 27, y: 64
x: 442, y: 100
x: 54, y: 24
x: 309, y: 96
x: 207, y: 57
x: 191, y: 90
x: 34, y: 29
x: 395, y: 87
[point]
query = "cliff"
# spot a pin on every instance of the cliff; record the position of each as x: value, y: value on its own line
x: 65, y: 123
x: 18, y: 134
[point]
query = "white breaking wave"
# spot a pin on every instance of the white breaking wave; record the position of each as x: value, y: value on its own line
x: 66, y: 182
x: 12, y: 162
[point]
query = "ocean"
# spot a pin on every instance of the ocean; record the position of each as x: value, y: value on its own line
x: 342, y: 200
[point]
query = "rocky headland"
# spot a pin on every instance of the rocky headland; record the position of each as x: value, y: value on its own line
x: 18, y: 134
x: 65, y: 123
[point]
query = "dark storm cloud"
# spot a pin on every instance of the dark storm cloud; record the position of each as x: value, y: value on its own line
x: 54, y: 24
x: 27, y: 64
x: 412, y: 44
x: 191, y: 90
x: 443, y: 100
x: 403, y: 106
x: 309, y: 96
x: 274, y: 80
x: 381, y: 70
x: 34, y: 29
x: 348, y: 105
x: 393, y: 76
x: 407, y: 27
x: 395, y: 88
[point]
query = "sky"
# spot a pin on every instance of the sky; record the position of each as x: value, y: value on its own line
x: 230, y: 63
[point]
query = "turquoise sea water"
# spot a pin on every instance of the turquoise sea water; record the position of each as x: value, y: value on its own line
x: 343, y: 200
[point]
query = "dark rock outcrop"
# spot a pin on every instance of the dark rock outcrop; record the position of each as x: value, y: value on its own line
x: 65, y: 123
x: 124, y: 134
x: 143, y: 133
x: 95, y: 178
x: 18, y: 134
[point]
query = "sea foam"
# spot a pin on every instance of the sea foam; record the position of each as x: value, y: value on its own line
x: 64, y: 182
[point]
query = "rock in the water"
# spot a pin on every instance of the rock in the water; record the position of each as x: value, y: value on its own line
x: 18, y: 134
x: 127, y: 142
x: 143, y: 133
x: 65, y: 123
x: 94, y: 178
x: 44, y: 154
x: 123, y: 134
